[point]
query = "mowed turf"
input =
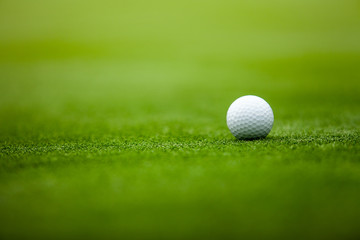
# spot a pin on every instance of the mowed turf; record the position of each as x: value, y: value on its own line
x: 113, y: 119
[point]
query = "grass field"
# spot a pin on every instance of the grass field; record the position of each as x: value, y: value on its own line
x: 112, y: 119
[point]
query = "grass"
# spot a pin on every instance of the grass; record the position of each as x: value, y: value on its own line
x: 112, y: 120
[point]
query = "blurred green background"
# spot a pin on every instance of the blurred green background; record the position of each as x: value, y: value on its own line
x: 112, y: 119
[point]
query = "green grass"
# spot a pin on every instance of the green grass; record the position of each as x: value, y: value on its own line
x: 112, y: 119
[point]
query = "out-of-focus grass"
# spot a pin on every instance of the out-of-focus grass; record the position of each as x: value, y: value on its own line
x: 112, y: 119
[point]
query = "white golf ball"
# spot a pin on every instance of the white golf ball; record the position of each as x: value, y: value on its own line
x: 250, y: 117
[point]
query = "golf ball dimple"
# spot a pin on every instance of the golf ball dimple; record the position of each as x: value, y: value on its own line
x: 250, y: 117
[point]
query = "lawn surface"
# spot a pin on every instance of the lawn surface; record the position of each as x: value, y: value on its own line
x: 112, y: 119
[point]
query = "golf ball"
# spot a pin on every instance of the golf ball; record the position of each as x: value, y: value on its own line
x: 250, y: 117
